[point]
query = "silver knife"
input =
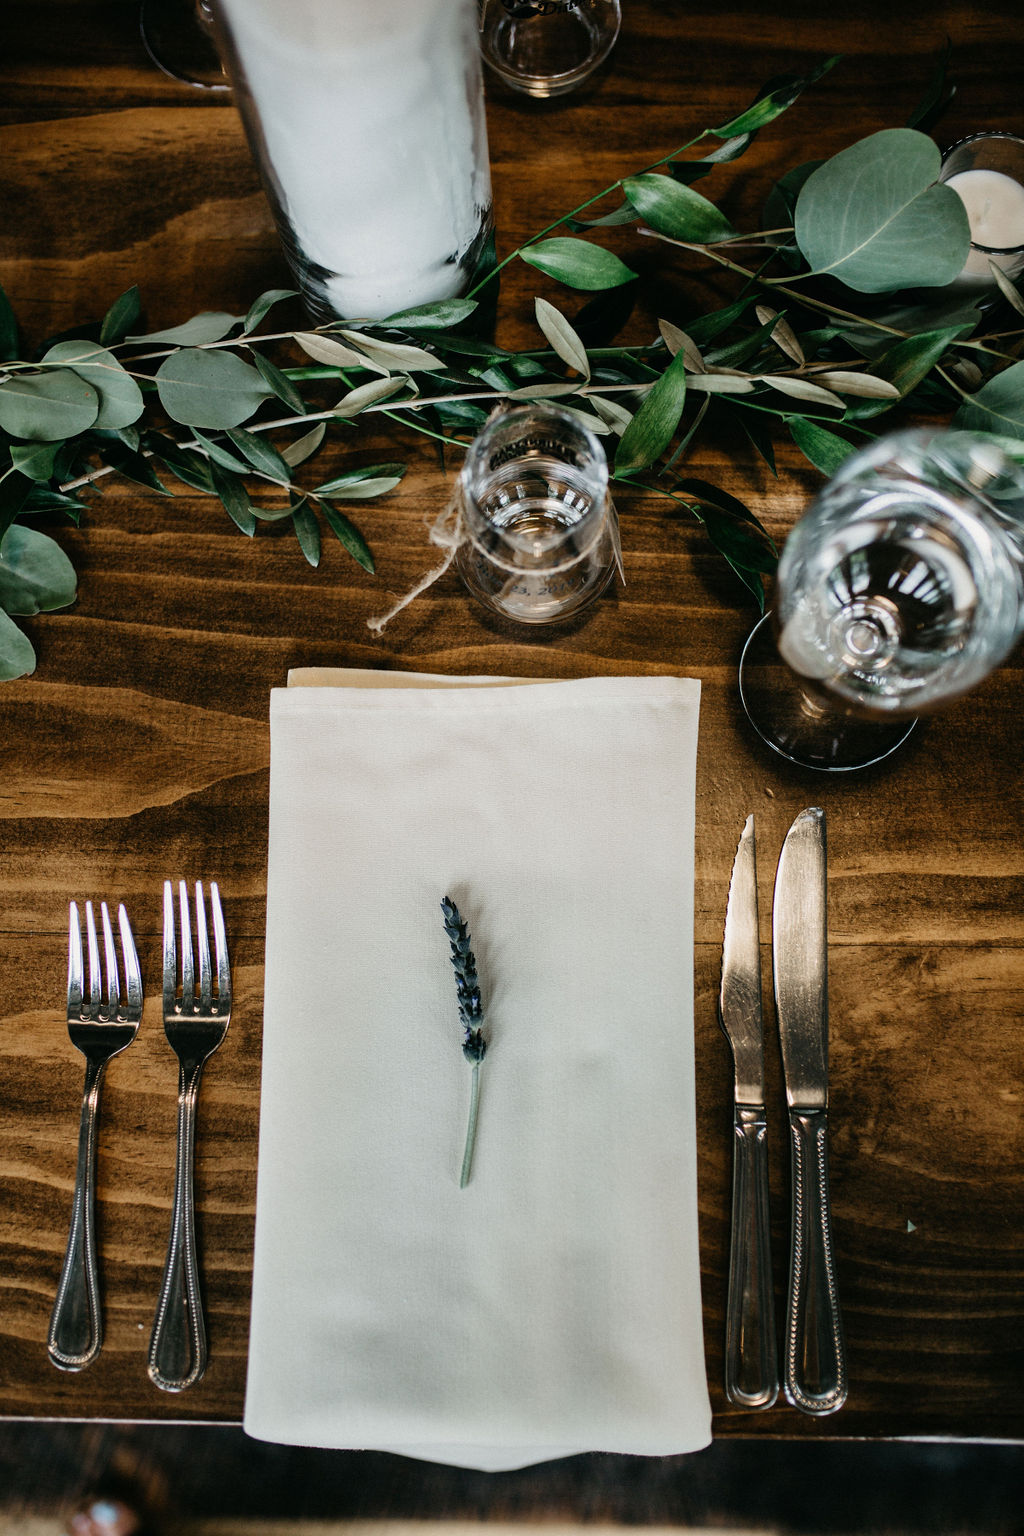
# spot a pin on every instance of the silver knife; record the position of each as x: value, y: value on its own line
x: 751, y: 1367
x: 815, y: 1362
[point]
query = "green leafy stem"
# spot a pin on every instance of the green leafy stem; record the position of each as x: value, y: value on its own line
x: 846, y: 309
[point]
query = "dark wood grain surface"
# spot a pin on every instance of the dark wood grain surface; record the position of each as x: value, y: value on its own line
x: 139, y: 748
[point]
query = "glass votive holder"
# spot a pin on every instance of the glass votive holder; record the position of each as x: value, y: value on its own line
x: 987, y: 172
x: 547, y: 47
x: 539, y: 534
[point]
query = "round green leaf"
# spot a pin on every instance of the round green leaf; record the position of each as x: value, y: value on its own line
x: 35, y: 573
x: 121, y: 400
x: 45, y: 407
x: 998, y: 406
x: 209, y: 389
x: 876, y: 217
x: 577, y: 263
x: 17, y: 657
x: 677, y: 210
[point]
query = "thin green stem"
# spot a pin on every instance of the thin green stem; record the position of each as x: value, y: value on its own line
x: 474, y: 1110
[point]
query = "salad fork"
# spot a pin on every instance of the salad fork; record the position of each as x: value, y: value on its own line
x: 195, y: 1024
x: 100, y: 1026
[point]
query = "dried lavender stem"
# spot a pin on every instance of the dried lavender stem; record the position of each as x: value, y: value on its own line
x: 474, y: 1108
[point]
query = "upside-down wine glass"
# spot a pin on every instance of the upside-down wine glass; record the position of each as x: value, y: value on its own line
x: 900, y: 588
x: 179, y: 38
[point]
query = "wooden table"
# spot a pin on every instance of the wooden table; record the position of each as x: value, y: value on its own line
x: 139, y: 748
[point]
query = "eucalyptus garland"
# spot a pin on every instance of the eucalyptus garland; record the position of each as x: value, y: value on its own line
x: 840, y: 316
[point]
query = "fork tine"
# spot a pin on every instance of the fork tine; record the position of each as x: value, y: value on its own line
x: 110, y: 956
x: 132, y: 972
x: 188, y: 971
x: 203, y: 937
x: 95, y: 985
x: 221, y: 946
x: 170, y: 952
x: 76, y: 963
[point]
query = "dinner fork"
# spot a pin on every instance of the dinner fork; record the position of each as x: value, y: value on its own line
x: 195, y: 1024
x: 100, y: 1026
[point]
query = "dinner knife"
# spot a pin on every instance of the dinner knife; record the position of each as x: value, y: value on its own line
x: 751, y: 1366
x: 815, y: 1361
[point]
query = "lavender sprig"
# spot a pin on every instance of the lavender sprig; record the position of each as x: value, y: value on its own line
x: 471, y: 1016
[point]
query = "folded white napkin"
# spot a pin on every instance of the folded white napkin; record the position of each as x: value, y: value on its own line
x: 553, y: 1305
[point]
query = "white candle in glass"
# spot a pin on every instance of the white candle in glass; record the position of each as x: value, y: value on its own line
x: 995, y: 214
x: 367, y: 119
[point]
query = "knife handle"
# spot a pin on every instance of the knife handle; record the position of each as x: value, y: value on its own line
x: 815, y: 1354
x: 751, y: 1367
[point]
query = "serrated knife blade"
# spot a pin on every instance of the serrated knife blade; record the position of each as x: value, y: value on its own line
x: 815, y: 1363
x: 751, y: 1365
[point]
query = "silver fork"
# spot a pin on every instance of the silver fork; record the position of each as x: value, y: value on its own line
x: 100, y: 1027
x: 195, y: 1024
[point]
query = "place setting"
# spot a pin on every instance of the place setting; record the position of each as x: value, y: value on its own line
x: 528, y: 1183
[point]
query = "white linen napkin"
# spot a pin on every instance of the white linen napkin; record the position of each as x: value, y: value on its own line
x: 553, y: 1305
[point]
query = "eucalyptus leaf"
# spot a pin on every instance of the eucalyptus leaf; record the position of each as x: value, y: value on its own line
x: 122, y: 316
x: 826, y: 450
x: 260, y: 307
x: 121, y: 401
x: 676, y: 210
x: 36, y: 460
x: 343, y: 484
x: 307, y: 530
x: 223, y: 456
x: 305, y: 446
x: 395, y: 354
x: 261, y: 454
x: 211, y: 325
x: 443, y: 314
x: 348, y: 535
x: 325, y: 349
x: 801, y: 389
x: 209, y: 389
x: 562, y: 337
x: 577, y: 263
x: 368, y: 394
x: 234, y: 497
x: 36, y: 575
x: 190, y: 467
x: 876, y: 216
x: 133, y: 465
x: 17, y: 655
x: 998, y: 406
x: 651, y: 430
x: 45, y: 407
x: 279, y: 383
x: 866, y: 385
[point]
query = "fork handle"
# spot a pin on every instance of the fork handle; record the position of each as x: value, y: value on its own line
x: 76, y: 1329
x: 177, y: 1348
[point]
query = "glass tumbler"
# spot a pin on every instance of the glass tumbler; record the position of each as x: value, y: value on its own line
x: 547, y: 47
x: 539, y: 531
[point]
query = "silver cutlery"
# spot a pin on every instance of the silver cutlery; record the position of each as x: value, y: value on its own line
x: 815, y: 1363
x: 195, y: 1023
x: 751, y: 1366
x: 100, y: 1026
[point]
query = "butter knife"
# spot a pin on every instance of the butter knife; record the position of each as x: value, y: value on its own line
x: 815, y: 1363
x: 751, y: 1367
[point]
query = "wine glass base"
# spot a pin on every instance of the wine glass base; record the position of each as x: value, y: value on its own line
x: 798, y: 725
